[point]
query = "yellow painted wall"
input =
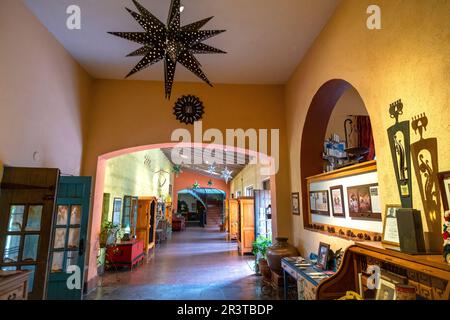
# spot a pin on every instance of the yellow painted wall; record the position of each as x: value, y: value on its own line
x: 44, y: 95
x: 249, y: 176
x: 128, y: 175
x: 127, y: 114
x: 407, y: 59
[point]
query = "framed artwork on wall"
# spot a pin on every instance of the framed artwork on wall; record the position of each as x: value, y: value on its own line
x: 390, y: 229
x: 117, y: 209
x: 295, y: 203
x: 318, y: 202
x: 337, y: 201
x: 364, y: 202
x: 322, y: 255
x: 444, y: 183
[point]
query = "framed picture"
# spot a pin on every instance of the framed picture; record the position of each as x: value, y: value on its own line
x: 386, y: 290
x: 318, y: 202
x: 364, y: 201
x: 444, y: 183
x: 390, y: 230
x: 295, y: 203
x: 117, y: 209
x: 322, y: 255
x: 337, y: 201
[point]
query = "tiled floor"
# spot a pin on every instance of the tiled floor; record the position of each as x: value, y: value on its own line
x: 197, y: 264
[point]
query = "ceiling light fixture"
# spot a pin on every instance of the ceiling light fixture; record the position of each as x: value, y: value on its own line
x: 226, y: 175
x: 172, y: 43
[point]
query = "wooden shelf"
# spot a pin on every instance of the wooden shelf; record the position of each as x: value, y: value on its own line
x: 355, y: 169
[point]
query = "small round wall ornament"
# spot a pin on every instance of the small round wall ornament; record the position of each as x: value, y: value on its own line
x: 188, y: 109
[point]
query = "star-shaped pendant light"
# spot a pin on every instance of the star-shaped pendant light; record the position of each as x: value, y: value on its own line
x: 226, y: 174
x: 172, y: 43
x: 212, y: 169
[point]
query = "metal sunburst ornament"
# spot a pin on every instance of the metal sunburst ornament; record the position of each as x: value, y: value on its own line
x: 188, y: 109
x: 172, y: 43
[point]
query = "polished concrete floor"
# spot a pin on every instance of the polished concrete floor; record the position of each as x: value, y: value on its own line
x: 197, y: 264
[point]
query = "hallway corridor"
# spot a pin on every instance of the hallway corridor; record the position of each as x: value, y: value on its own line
x: 195, y: 264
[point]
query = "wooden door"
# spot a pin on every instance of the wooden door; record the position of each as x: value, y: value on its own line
x: 247, y: 225
x: 152, y: 233
x: 27, y: 202
x: 69, y: 239
x: 143, y: 223
x: 233, y: 217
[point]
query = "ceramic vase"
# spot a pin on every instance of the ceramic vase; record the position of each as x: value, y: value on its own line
x: 278, y: 251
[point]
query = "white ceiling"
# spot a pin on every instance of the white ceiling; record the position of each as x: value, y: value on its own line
x: 265, y: 39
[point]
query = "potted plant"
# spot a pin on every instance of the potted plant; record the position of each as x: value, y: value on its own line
x: 108, y: 236
x: 260, y: 247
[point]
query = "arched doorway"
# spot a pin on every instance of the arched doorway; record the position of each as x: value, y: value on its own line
x: 315, y: 130
x: 95, y: 225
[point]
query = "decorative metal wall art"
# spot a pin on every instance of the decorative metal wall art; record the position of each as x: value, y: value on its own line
x: 172, y: 43
x: 425, y: 160
x: 399, y: 142
x: 188, y: 109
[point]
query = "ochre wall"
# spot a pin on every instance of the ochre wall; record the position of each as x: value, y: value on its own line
x: 187, y: 178
x: 408, y: 59
x: 44, y: 95
x: 127, y: 114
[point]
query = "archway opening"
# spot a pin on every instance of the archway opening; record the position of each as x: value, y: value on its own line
x: 337, y: 133
x: 102, y: 179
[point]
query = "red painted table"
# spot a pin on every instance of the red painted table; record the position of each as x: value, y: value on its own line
x: 125, y: 253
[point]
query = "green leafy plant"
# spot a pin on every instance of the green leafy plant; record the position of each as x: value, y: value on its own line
x: 110, y: 234
x: 260, y: 246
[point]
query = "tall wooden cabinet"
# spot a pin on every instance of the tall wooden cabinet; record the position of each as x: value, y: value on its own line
x: 233, y: 218
x: 246, y: 230
x: 146, y: 222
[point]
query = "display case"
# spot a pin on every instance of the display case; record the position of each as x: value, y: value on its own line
x: 263, y: 216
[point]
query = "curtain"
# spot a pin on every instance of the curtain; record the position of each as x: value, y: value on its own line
x: 365, y: 136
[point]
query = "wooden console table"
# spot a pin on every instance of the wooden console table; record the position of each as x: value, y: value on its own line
x: 14, y: 285
x: 428, y: 274
x: 307, y: 275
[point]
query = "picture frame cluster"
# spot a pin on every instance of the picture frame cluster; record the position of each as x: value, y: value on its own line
x: 363, y: 202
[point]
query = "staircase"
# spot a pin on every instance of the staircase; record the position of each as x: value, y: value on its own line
x: 214, y: 216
